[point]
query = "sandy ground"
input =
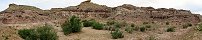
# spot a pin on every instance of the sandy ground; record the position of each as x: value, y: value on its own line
x: 9, y: 32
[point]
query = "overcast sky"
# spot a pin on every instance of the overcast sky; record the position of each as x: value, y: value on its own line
x: 194, y: 5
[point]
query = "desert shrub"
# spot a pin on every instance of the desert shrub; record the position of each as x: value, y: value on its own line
x: 170, y: 29
x: 111, y: 28
x: 148, y: 26
x: 132, y: 25
x: 152, y: 38
x: 136, y: 28
x: 72, y: 25
x: 97, y: 25
x: 145, y: 22
x: 142, y: 29
x: 87, y: 23
x: 117, y: 34
x: 167, y: 23
x: 117, y: 25
x: 28, y: 34
x: 42, y: 33
x: 123, y: 24
x: 129, y: 29
x: 199, y: 27
x: 111, y: 22
x: 46, y: 33
x: 186, y: 25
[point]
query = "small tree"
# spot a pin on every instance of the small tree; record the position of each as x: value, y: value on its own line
x: 72, y: 25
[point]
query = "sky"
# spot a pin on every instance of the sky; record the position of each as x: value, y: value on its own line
x: 195, y: 6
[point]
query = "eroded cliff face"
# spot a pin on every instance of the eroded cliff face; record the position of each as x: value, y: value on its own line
x: 26, y: 14
x: 17, y: 17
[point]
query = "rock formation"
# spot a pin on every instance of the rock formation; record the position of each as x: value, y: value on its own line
x: 155, y: 21
x: 20, y: 13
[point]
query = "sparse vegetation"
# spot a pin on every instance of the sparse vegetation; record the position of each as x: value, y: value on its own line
x: 170, y: 29
x: 132, y: 25
x: 117, y: 34
x: 117, y: 25
x: 199, y: 27
x: 186, y: 25
x: 136, y: 28
x: 129, y: 29
x: 42, y: 33
x: 167, y: 23
x: 72, y: 25
x: 111, y: 22
x: 145, y: 22
x: 152, y: 38
x: 148, y: 26
x: 110, y: 28
x: 97, y: 25
x: 87, y: 23
x: 28, y: 34
x: 142, y: 29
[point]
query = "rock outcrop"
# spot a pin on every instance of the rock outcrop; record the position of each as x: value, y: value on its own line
x: 86, y: 7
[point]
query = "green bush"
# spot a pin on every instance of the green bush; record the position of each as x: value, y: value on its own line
x: 97, y: 25
x: 199, y: 27
x: 87, y: 23
x: 117, y: 25
x: 72, y: 25
x: 46, y: 33
x: 41, y: 33
x: 28, y: 34
x: 142, y: 29
x: 117, y: 34
x: 129, y: 29
x: 171, y: 29
x: 132, y: 25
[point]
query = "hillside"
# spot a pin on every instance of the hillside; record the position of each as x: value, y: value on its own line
x: 184, y: 22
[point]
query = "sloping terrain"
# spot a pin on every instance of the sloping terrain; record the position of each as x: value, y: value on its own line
x: 17, y: 17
